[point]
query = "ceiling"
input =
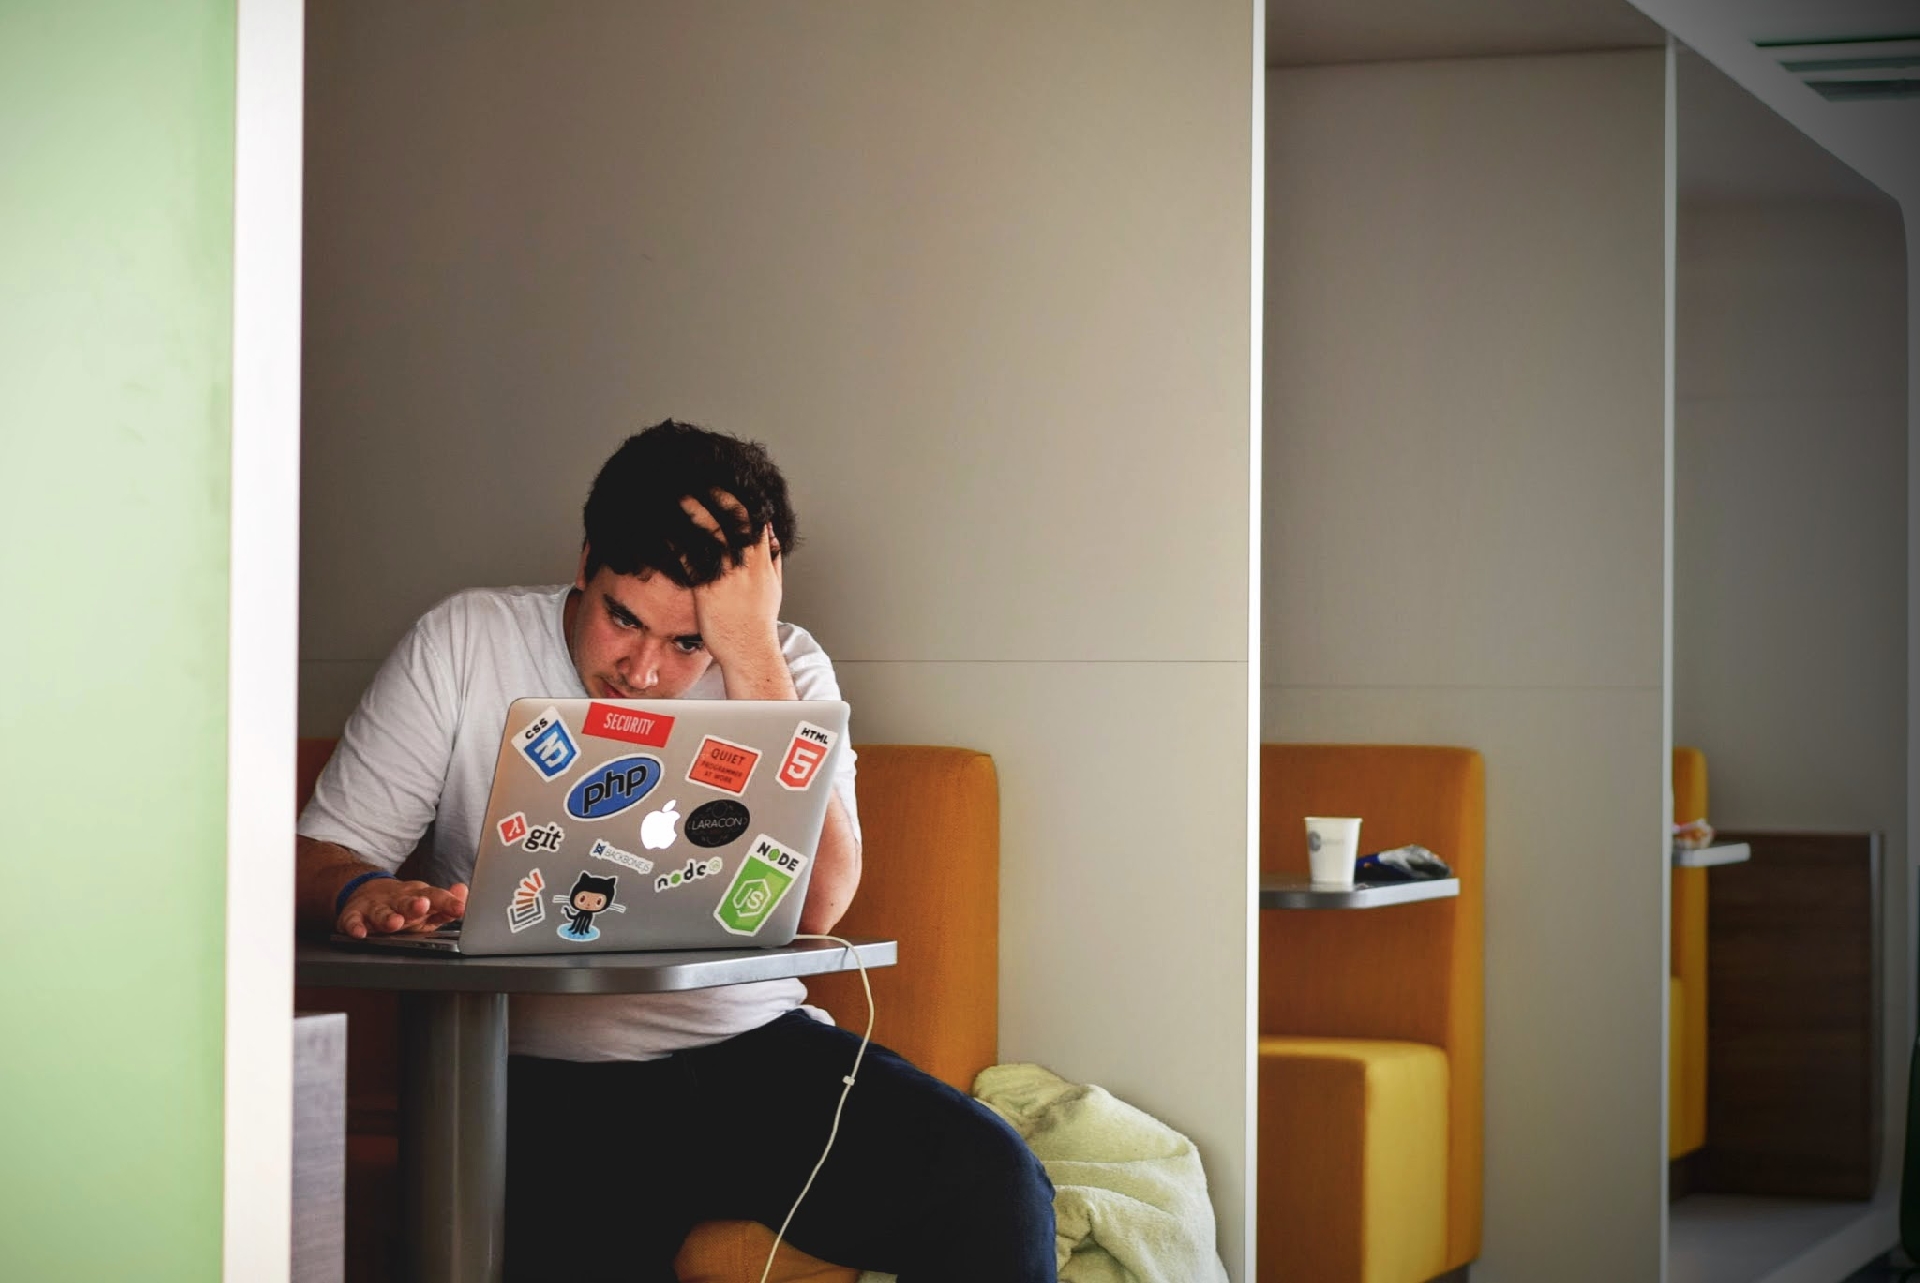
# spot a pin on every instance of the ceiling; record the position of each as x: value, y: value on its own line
x: 1734, y: 147
x: 1305, y: 32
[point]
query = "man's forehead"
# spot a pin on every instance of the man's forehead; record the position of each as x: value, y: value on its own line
x: 653, y: 599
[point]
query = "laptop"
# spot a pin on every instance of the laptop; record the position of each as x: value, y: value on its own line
x: 618, y: 825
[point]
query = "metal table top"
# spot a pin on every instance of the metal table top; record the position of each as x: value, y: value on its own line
x: 1281, y: 891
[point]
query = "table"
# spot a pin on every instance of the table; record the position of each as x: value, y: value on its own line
x: 1708, y: 857
x: 453, y: 1148
x: 1285, y: 891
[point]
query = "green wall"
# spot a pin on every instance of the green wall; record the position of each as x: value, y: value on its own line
x: 116, y: 252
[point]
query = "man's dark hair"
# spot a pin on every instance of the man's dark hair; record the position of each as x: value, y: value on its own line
x: 634, y: 519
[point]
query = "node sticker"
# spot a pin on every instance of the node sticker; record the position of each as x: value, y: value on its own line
x: 693, y: 871
x: 724, y: 765
x: 526, y: 908
x: 605, y: 850
x: 759, y: 885
x: 611, y: 722
x: 612, y: 787
x: 546, y: 745
x: 717, y: 823
x: 591, y: 894
x: 809, y: 749
x: 514, y: 828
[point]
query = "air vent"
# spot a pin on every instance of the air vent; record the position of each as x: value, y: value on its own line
x: 1862, y: 70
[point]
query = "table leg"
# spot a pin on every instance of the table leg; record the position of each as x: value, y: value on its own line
x: 453, y: 1145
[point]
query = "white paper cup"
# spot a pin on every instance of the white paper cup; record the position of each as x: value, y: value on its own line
x: 1333, y: 844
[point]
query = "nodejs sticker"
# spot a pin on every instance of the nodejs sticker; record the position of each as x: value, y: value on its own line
x: 591, y: 895
x: 809, y: 749
x: 612, y: 787
x: 717, y: 823
x: 724, y: 765
x: 526, y: 909
x: 693, y: 871
x: 546, y: 745
x: 759, y: 885
x: 611, y: 722
x: 605, y: 850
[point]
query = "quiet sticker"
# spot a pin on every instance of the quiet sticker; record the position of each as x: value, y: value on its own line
x: 546, y: 745
x: 759, y: 885
x: 809, y: 749
x: 527, y: 909
x: 610, y: 722
x: 724, y: 765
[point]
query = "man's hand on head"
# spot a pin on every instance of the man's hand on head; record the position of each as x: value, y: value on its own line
x: 739, y: 612
x: 389, y: 906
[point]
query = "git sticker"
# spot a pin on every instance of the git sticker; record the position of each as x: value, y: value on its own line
x: 611, y: 722
x: 546, y: 745
x: 759, y: 885
x: 809, y: 749
x: 724, y: 765
x: 527, y: 909
x: 513, y: 829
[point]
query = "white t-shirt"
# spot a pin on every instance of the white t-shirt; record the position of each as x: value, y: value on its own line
x: 417, y: 760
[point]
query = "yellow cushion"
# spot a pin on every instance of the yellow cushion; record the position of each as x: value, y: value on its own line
x: 733, y: 1251
x: 1353, y: 1161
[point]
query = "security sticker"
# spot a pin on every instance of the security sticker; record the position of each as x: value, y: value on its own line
x: 724, y: 765
x: 809, y: 749
x: 546, y: 745
x: 547, y: 837
x: 514, y: 828
x: 591, y: 895
x: 612, y: 787
x: 692, y: 871
x: 605, y: 850
x: 526, y: 908
x: 717, y: 823
x: 609, y: 721
x: 759, y: 885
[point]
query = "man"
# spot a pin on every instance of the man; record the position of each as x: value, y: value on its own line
x: 631, y: 1118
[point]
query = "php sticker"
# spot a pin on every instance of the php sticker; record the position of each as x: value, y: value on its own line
x: 513, y: 829
x: 612, y: 787
x: 591, y: 895
x: 605, y: 850
x: 608, y: 721
x: 693, y: 871
x: 759, y: 885
x: 717, y: 823
x: 526, y: 908
x: 724, y: 765
x: 547, y: 745
x: 809, y: 749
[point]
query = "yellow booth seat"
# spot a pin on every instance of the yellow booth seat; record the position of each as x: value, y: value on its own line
x: 1371, y: 1023
x: 939, y: 1007
x: 1687, y: 1015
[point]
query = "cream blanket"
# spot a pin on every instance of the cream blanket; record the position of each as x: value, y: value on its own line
x: 1130, y: 1200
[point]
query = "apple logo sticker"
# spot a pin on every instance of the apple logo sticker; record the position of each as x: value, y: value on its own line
x: 658, y: 830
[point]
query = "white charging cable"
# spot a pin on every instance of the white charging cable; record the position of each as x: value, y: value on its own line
x: 833, y: 1131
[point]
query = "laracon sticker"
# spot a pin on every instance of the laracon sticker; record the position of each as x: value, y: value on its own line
x: 724, y: 765
x: 513, y: 829
x: 610, y: 722
x: 547, y: 837
x: 809, y: 749
x: 612, y: 787
x: 759, y: 885
x: 693, y: 871
x: 546, y: 745
x: 527, y: 909
x: 717, y: 823
x: 591, y: 894
x: 605, y: 850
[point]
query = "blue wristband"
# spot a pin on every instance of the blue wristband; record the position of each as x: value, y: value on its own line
x: 353, y: 884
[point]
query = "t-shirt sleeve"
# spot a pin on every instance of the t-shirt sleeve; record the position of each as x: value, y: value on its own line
x: 813, y: 678
x: 381, y: 788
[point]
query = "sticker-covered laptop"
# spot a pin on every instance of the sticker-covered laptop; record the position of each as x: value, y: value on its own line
x: 647, y: 824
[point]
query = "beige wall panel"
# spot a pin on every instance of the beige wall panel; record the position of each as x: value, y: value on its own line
x: 1464, y: 274
x: 1575, y: 958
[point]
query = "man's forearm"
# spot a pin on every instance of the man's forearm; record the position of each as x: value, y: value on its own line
x: 836, y: 873
x: 320, y: 869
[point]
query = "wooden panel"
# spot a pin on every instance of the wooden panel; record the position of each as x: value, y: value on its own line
x: 1793, y: 1088
x: 319, y: 1148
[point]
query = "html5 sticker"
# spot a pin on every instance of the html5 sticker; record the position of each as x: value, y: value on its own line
x: 805, y: 755
x: 724, y: 765
x: 611, y: 722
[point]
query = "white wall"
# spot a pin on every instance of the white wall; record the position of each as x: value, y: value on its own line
x: 980, y: 277
x: 1465, y: 500
x: 1790, y: 535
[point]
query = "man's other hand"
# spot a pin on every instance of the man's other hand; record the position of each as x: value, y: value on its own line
x: 739, y: 612
x: 388, y: 906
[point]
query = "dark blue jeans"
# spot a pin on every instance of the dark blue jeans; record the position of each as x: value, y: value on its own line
x: 610, y: 1164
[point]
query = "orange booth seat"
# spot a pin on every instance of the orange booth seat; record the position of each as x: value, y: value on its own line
x: 1687, y: 983
x: 1371, y: 1022
x: 939, y: 1007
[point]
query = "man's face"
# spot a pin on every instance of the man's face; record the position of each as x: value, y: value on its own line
x: 635, y: 636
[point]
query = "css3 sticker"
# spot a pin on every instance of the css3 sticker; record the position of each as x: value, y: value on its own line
x: 759, y: 885
x: 809, y: 749
x: 546, y: 744
x: 591, y: 895
x: 526, y: 908
x: 612, y: 787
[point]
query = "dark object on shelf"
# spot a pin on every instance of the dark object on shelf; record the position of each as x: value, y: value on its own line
x: 1402, y: 864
